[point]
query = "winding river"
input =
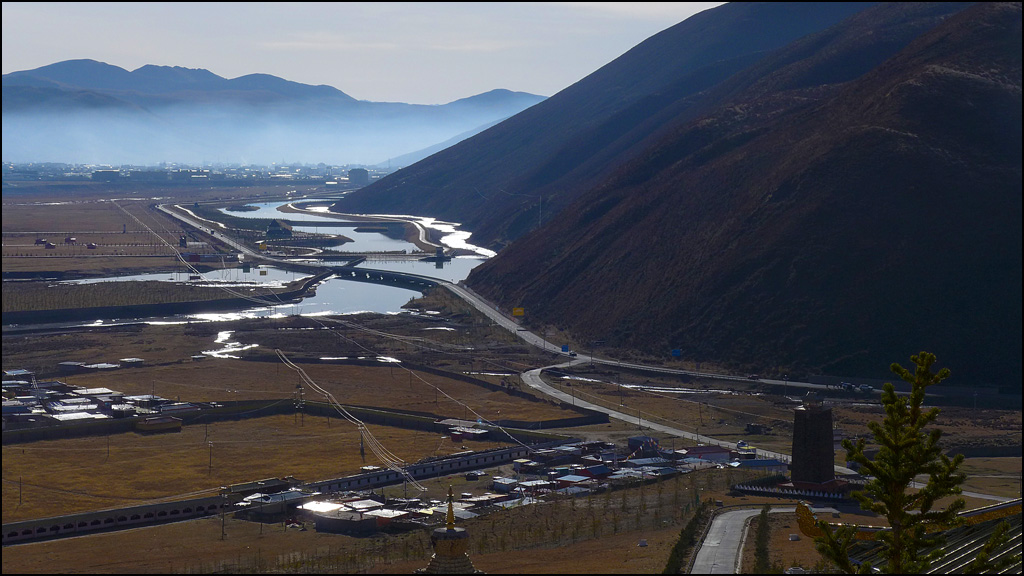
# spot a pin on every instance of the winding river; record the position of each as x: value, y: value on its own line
x: 334, y: 296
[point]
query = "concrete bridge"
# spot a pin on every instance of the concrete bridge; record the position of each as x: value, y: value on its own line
x: 386, y: 278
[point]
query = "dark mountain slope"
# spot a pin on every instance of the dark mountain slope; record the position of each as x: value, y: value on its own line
x: 502, y: 182
x: 806, y: 227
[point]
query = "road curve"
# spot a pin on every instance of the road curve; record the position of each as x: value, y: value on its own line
x: 533, y: 379
x: 720, y: 551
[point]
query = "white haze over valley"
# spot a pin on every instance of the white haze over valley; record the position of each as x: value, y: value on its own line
x: 228, y: 135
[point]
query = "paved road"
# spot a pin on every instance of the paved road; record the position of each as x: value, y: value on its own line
x: 533, y: 379
x: 207, y: 227
x: 510, y: 324
x: 720, y: 551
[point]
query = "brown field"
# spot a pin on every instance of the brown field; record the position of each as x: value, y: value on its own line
x: 783, y: 552
x: 725, y: 414
x: 169, y: 371
x: 49, y: 478
x: 593, y: 535
x: 28, y: 296
x: 118, y: 228
x: 91, y: 266
x: 385, y: 386
x: 596, y: 534
x: 998, y: 476
x: 722, y: 415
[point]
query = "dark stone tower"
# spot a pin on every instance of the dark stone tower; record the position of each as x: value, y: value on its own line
x: 813, y: 455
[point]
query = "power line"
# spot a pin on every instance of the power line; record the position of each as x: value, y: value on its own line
x: 386, y: 456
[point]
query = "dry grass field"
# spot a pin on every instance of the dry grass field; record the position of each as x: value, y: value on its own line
x: 114, y: 218
x: 783, y: 552
x: 54, y: 477
x: 723, y: 411
x: 117, y: 228
x: 384, y: 386
x: 170, y: 372
x: 597, y: 534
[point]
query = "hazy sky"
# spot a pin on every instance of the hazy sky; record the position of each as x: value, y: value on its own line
x: 424, y: 53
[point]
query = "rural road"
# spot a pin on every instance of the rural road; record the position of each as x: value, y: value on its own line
x: 720, y: 551
x: 532, y: 378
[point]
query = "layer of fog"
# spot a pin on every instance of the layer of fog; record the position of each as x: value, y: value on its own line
x: 369, y: 134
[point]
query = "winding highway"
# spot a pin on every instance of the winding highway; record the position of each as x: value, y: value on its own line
x: 721, y: 547
x: 532, y: 378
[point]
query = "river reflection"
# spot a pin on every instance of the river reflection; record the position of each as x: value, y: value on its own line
x: 452, y: 237
x: 271, y: 210
x: 361, y: 241
x: 453, y: 270
x: 333, y: 296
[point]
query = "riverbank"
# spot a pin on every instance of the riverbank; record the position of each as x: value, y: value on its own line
x: 33, y: 303
x: 415, y: 232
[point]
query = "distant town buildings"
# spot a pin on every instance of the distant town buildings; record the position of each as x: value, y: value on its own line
x: 359, y: 177
x: 226, y: 174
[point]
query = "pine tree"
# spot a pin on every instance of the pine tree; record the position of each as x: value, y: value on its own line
x: 906, y: 451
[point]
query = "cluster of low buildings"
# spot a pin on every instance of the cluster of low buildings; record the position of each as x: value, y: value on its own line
x: 584, y: 468
x: 570, y: 470
x: 31, y: 403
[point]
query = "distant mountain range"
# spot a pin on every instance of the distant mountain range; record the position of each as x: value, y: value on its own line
x: 796, y: 188
x: 88, y: 111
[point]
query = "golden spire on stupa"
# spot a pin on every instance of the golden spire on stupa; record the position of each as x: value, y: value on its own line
x: 450, y: 518
x: 451, y: 547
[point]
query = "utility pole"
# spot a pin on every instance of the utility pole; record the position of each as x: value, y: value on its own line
x: 700, y: 420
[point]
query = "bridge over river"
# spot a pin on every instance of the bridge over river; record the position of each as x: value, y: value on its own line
x: 386, y: 278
